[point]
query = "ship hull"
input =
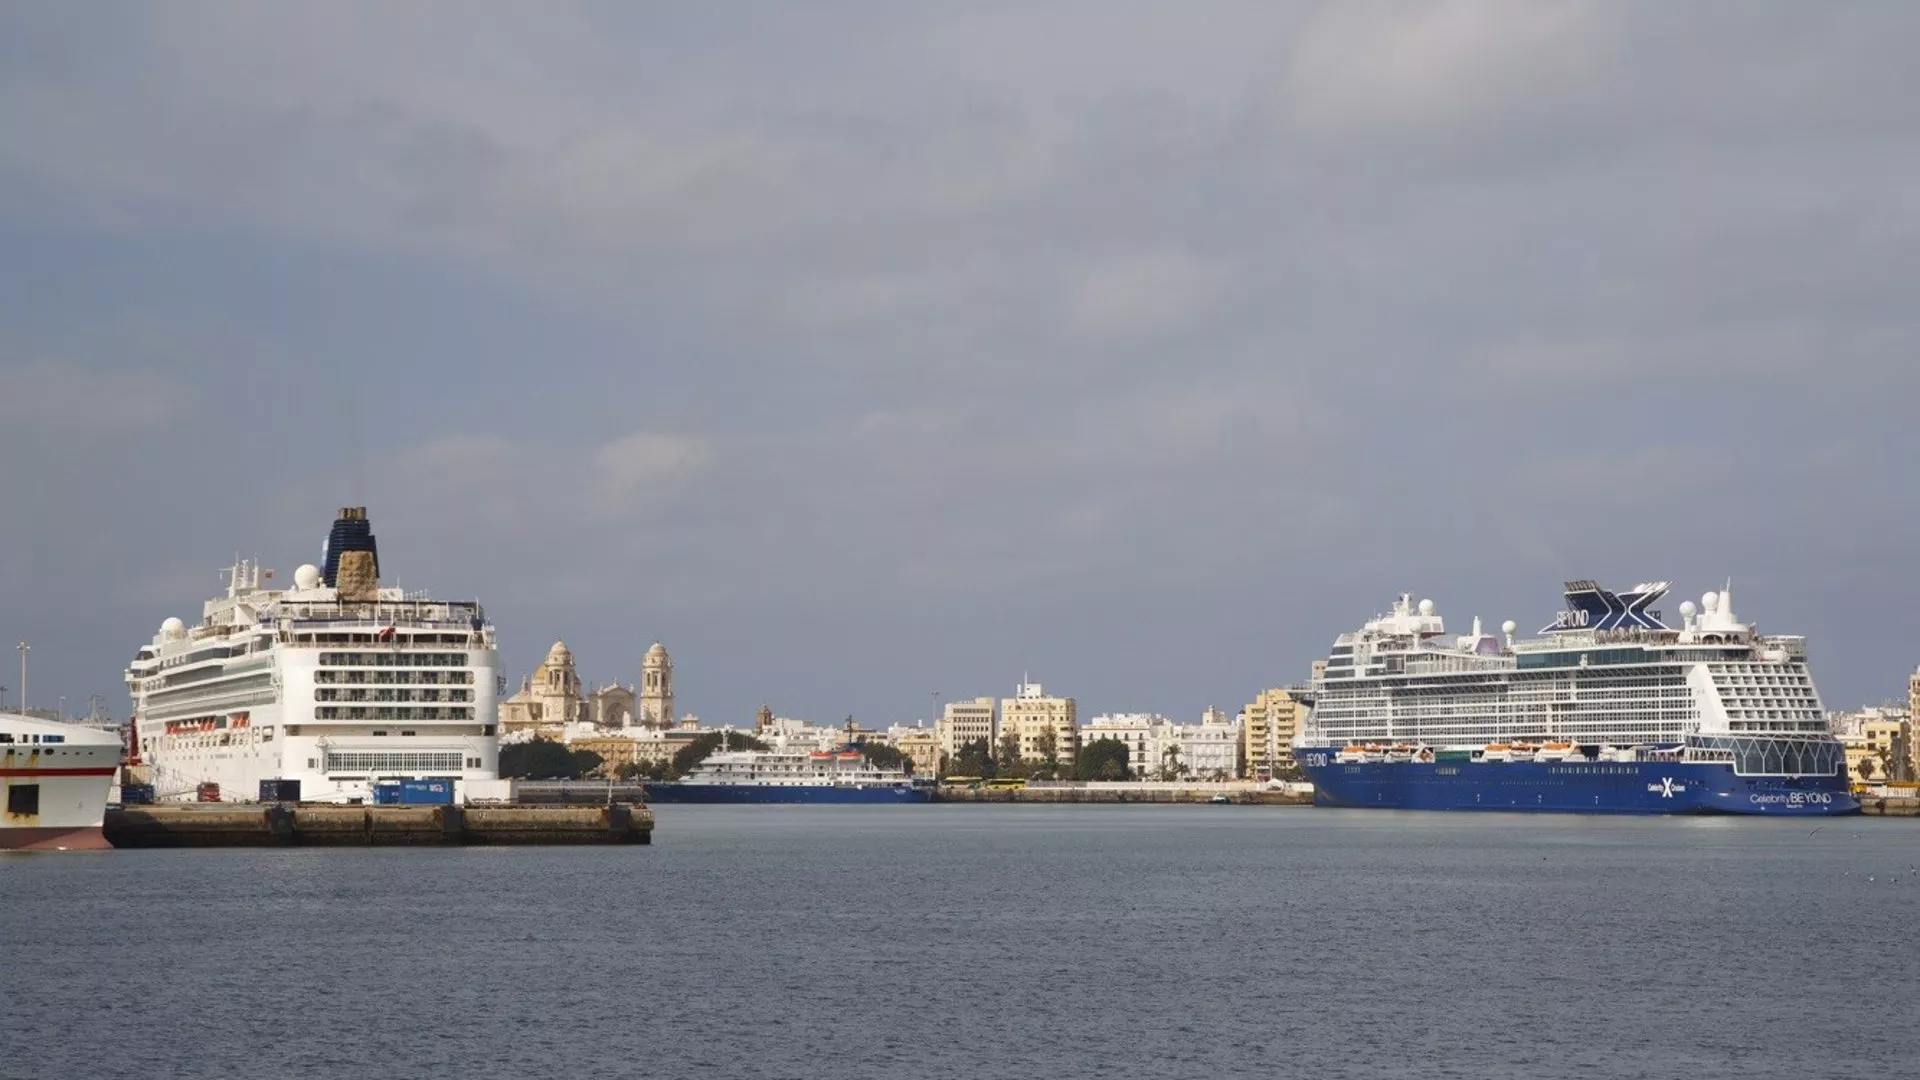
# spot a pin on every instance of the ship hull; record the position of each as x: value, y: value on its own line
x: 73, y: 838
x: 785, y: 794
x: 1645, y: 787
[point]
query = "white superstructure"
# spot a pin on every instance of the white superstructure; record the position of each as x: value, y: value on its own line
x: 53, y: 783
x: 1606, y: 674
x: 335, y: 682
x: 782, y: 767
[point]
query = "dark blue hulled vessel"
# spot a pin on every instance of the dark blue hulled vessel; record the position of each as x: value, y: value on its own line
x: 787, y: 776
x: 1609, y: 710
x: 1587, y: 786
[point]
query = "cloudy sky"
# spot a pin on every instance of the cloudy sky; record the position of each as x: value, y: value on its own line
x: 866, y: 351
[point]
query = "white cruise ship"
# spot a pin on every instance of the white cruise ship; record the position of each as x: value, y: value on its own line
x: 332, y: 683
x: 53, y: 781
x: 787, y: 775
x: 1608, y: 710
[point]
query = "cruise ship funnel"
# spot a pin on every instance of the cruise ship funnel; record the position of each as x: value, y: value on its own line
x: 350, y: 560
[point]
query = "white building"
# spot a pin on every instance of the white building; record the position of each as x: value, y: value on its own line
x: 1140, y: 733
x: 1210, y: 749
x: 1160, y: 747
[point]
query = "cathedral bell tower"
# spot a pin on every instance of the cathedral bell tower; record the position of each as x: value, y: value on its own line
x: 656, y: 688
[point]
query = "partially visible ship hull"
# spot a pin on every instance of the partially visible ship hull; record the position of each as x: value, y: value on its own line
x: 54, y: 779
x: 1642, y: 787
x: 77, y: 838
x: 784, y: 793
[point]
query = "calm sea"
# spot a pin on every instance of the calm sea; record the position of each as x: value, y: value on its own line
x: 974, y: 941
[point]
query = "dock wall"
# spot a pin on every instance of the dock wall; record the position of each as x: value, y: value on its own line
x: 1892, y: 807
x: 1198, y: 793
x: 169, y: 825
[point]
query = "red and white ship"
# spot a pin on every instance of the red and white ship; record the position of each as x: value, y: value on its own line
x: 53, y: 783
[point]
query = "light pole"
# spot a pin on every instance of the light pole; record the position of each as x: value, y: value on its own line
x: 24, y: 649
x: 939, y: 766
x: 61, y: 712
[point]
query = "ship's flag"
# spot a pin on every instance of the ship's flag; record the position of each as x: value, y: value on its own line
x: 385, y: 634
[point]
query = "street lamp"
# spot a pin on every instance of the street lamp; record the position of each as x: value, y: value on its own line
x: 23, y: 649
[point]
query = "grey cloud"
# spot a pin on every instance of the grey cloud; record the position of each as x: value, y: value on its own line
x: 52, y: 398
x: 1005, y: 330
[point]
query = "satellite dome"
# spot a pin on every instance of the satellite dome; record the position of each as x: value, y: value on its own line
x: 307, y: 577
x: 1687, y: 609
x: 1709, y: 600
x: 1426, y: 607
x: 1509, y: 626
x: 173, y: 628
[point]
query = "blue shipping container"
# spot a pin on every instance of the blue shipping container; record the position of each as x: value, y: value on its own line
x: 136, y: 794
x: 386, y: 793
x: 433, y: 791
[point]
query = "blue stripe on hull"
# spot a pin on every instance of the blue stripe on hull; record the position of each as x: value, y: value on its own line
x: 783, y: 793
x: 1643, y: 787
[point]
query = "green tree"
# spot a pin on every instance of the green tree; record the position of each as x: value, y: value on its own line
x: 1171, y: 767
x: 1103, y: 759
x: 1291, y: 772
x: 695, y: 752
x: 881, y: 756
x: 974, y: 759
x: 1007, y: 754
x: 544, y: 759
x: 1865, y: 768
x: 642, y: 770
x: 1049, y: 746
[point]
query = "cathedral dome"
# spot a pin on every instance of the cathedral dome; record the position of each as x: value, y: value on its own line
x: 658, y: 652
x: 559, y: 655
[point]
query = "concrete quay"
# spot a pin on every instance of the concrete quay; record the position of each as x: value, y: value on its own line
x: 175, y: 825
x: 1239, y: 794
x: 1890, y: 806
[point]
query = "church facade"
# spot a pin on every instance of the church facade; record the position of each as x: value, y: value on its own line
x: 553, y: 700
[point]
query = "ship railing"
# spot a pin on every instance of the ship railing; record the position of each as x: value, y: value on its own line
x: 378, y: 609
x: 387, y: 618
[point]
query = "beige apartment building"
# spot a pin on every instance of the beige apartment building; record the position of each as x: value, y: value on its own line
x: 1030, y: 715
x: 922, y: 746
x: 1886, y: 741
x: 963, y: 722
x: 1268, y: 726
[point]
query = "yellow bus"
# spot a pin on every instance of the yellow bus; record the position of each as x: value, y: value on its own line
x: 958, y: 781
x: 1006, y: 782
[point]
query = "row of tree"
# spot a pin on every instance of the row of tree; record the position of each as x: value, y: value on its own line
x: 1099, y: 759
x: 544, y: 759
x: 1886, y: 765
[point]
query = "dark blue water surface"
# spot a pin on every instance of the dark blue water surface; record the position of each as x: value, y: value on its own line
x: 1057, y: 942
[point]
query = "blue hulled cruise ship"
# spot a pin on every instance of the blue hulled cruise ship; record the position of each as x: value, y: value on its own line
x: 1607, y: 710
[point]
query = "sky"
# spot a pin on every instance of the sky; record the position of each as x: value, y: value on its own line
x: 871, y: 355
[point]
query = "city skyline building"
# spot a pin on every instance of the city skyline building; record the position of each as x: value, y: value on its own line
x: 966, y: 721
x: 1039, y: 725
